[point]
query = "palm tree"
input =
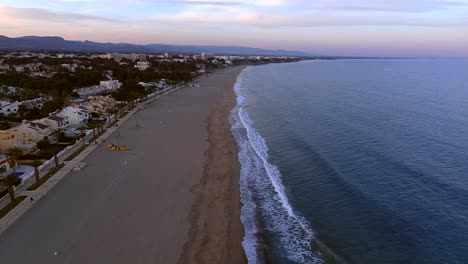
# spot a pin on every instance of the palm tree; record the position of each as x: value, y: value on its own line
x: 13, y: 154
x: 56, y: 161
x: 36, y: 164
x: 10, y: 181
x: 82, y: 135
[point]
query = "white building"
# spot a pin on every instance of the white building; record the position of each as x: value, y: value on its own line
x: 55, y: 122
x: 29, y: 132
x: 7, y: 107
x: 75, y: 117
x: 142, y: 65
x: 110, y: 85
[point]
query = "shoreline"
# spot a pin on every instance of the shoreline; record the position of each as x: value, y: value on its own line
x: 216, y: 231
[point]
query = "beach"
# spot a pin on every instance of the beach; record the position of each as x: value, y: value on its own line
x: 172, y: 198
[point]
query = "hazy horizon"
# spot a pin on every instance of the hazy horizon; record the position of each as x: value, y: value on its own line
x: 395, y: 28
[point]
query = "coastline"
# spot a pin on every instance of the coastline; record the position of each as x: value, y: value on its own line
x: 216, y: 231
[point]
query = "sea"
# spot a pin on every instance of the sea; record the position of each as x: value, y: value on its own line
x: 354, y: 161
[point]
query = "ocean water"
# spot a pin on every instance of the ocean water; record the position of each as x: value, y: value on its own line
x: 354, y: 161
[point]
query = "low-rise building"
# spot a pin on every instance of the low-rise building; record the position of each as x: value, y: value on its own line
x: 7, y: 107
x: 97, y: 104
x: 55, y: 122
x: 34, y: 131
x: 75, y: 117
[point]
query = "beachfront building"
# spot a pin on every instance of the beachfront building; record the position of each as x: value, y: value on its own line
x: 103, y: 87
x: 55, y: 122
x: 29, y: 132
x: 97, y: 104
x: 75, y: 117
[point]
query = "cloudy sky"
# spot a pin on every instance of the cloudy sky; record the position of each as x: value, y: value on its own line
x: 416, y: 28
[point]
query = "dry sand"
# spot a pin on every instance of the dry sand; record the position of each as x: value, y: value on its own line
x: 174, y: 197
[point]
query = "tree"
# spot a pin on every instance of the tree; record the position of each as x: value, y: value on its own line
x: 36, y: 164
x: 56, y: 161
x: 13, y: 154
x: 82, y: 135
x: 10, y: 181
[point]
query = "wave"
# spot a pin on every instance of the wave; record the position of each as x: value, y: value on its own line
x: 263, y: 196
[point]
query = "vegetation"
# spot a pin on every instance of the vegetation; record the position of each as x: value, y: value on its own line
x: 45, y: 178
x: 10, y: 182
x: 4, y: 211
x: 36, y: 165
x: 12, y: 155
x: 76, y: 153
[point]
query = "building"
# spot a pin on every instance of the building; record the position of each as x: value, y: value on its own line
x: 5, y: 168
x: 7, y: 139
x: 97, y: 104
x: 196, y: 57
x: 29, y: 132
x: 7, y: 107
x: 206, y: 56
x: 111, y: 84
x: 55, y: 122
x: 34, y: 103
x: 103, y: 87
x: 19, y: 68
x: 75, y: 117
x: 142, y: 57
x: 142, y: 65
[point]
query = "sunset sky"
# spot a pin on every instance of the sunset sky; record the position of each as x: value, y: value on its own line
x: 415, y: 28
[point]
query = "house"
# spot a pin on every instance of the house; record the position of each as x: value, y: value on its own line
x: 55, y: 122
x: 34, y: 132
x: 7, y: 139
x: 5, y: 168
x: 98, y: 104
x: 110, y: 85
x: 34, y: 103
x: 7, y: 107
x: 75, y: 117
x: 19, y: 68
x: 10, y: 138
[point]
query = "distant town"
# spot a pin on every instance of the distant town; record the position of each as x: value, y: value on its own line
x: 50, y: 102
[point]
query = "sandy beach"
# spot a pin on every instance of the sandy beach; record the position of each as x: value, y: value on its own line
x: 173, y: 198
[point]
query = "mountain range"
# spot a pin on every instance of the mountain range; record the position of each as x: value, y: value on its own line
x: 60, y: 44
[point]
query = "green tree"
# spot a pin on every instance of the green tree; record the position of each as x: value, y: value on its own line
x: 10, y: 181
x: 12, y: 155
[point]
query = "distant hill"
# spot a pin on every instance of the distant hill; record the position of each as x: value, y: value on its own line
x: 60, y: 44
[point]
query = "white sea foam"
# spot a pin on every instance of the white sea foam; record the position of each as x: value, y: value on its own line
x: 262, y: 180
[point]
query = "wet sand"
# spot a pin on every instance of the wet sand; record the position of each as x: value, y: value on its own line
x: 174, y: 197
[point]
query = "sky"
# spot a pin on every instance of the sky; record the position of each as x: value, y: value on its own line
x: 397, y: 28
